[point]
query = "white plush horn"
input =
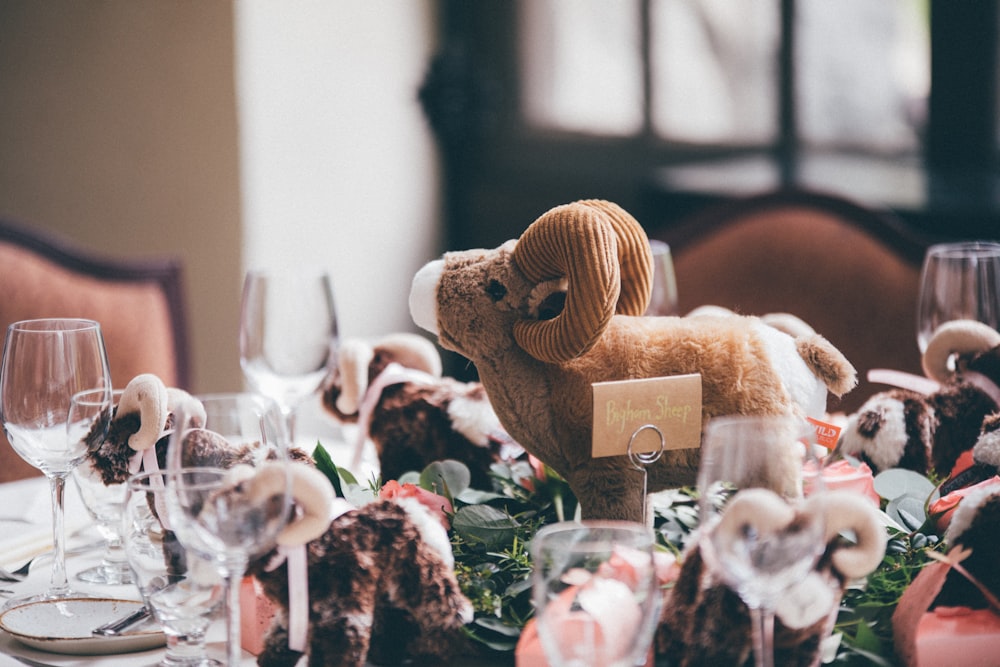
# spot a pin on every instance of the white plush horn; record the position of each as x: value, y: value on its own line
x: 763, y: 509
x: 956, y: 337
x: 313, y: 495
x: 844, y: 511
x: 354, y: 359
x: 411, y: 351
x: 147, y: 395
x: 194, y: 411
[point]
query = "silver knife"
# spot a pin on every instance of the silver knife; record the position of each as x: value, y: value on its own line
x: 115, y: 628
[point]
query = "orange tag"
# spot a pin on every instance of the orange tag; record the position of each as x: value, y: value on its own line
x: 827, y: 434
x: 671, y: 404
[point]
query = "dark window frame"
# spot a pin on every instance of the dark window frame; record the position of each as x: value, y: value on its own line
x: 499, y: 173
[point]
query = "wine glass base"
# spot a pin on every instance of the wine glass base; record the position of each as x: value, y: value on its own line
x: 190, y: 662
x: 108, y: 574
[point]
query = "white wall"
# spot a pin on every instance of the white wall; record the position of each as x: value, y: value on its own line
x: 337, y: 162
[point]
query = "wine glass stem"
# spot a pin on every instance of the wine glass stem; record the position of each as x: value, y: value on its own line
x: 58, y: 583
x: 234, y: 643
x: 289, y: 413
x: 763, y: 636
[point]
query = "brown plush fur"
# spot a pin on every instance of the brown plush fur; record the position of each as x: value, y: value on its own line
x: 706, y: 624
x: 376, y: 591
x: 982, y: 537
x: 411, y: 428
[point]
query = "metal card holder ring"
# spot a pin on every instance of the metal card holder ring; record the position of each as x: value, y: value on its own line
x: 642, y: 460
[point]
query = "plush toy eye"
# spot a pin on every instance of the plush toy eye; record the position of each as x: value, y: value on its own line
x: 496, y: 290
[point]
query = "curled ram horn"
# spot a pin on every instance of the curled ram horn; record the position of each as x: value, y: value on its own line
x: 353, y: 359
x: 146, y: 395
x: 845, y: 512
x: 956, y: 338
x: 311, y: 491
x: 617, y: 277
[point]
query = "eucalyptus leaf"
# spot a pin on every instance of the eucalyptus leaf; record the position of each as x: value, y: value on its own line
x: 908, y: 510
x: 447, y: 478
x: 411, y: 477
x: 897, y: 482
x: 498, y: 626
x: 485, y: 525
x: 358, y: 495
x: 477, y: 497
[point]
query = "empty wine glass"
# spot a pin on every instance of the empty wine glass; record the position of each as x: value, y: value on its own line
x: 203, y: 511
x: 45, y: 362
x: 958, y: 281
x: 180, y: 588
x: 663, y: 298
x: 288, y: 336
x: 90, y: 414
x: 759, y: 553
x: 596, y: 595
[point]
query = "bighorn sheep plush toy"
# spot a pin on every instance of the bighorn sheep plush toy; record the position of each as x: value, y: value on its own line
x: 139, y: 428
x: 380, y: 578
x: 395, y: 393
x: 706, y: 623
x: 930, y: 432
x: 545, y: 316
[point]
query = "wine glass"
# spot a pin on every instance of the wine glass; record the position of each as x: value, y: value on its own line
x: 750, y: 481
x: 45, y: 362
x: 958, y: 281
x: 288, y: 336
x: 663, y: 298
x: 181, y: 589
x: 203, y: 510
x: 596, y: 595
x: 90, y: 414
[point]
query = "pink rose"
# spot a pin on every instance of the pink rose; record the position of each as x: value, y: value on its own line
x: 842, y: 474
x: 437, y: 504
x: 942, y: 509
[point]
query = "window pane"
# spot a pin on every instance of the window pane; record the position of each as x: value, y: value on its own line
x: 863, y: 72
x: 714, y: 70
x: 581, y: 65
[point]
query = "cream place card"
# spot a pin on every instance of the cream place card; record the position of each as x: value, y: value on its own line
x: 671, y: 404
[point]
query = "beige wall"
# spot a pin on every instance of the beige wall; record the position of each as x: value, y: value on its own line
x: 118, y: 127
x: 121, y: 126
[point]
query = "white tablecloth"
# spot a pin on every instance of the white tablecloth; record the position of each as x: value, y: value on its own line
x: 25, y: 529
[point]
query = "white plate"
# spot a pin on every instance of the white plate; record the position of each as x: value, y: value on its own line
x: 64, y: 626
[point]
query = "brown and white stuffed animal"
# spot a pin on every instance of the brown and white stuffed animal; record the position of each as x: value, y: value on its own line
x: 139, y: 430
x: 381, y: 581
x: 394, y: 391
x: 546, y: 316
x: 929, y: 432
x: 705, y: 623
